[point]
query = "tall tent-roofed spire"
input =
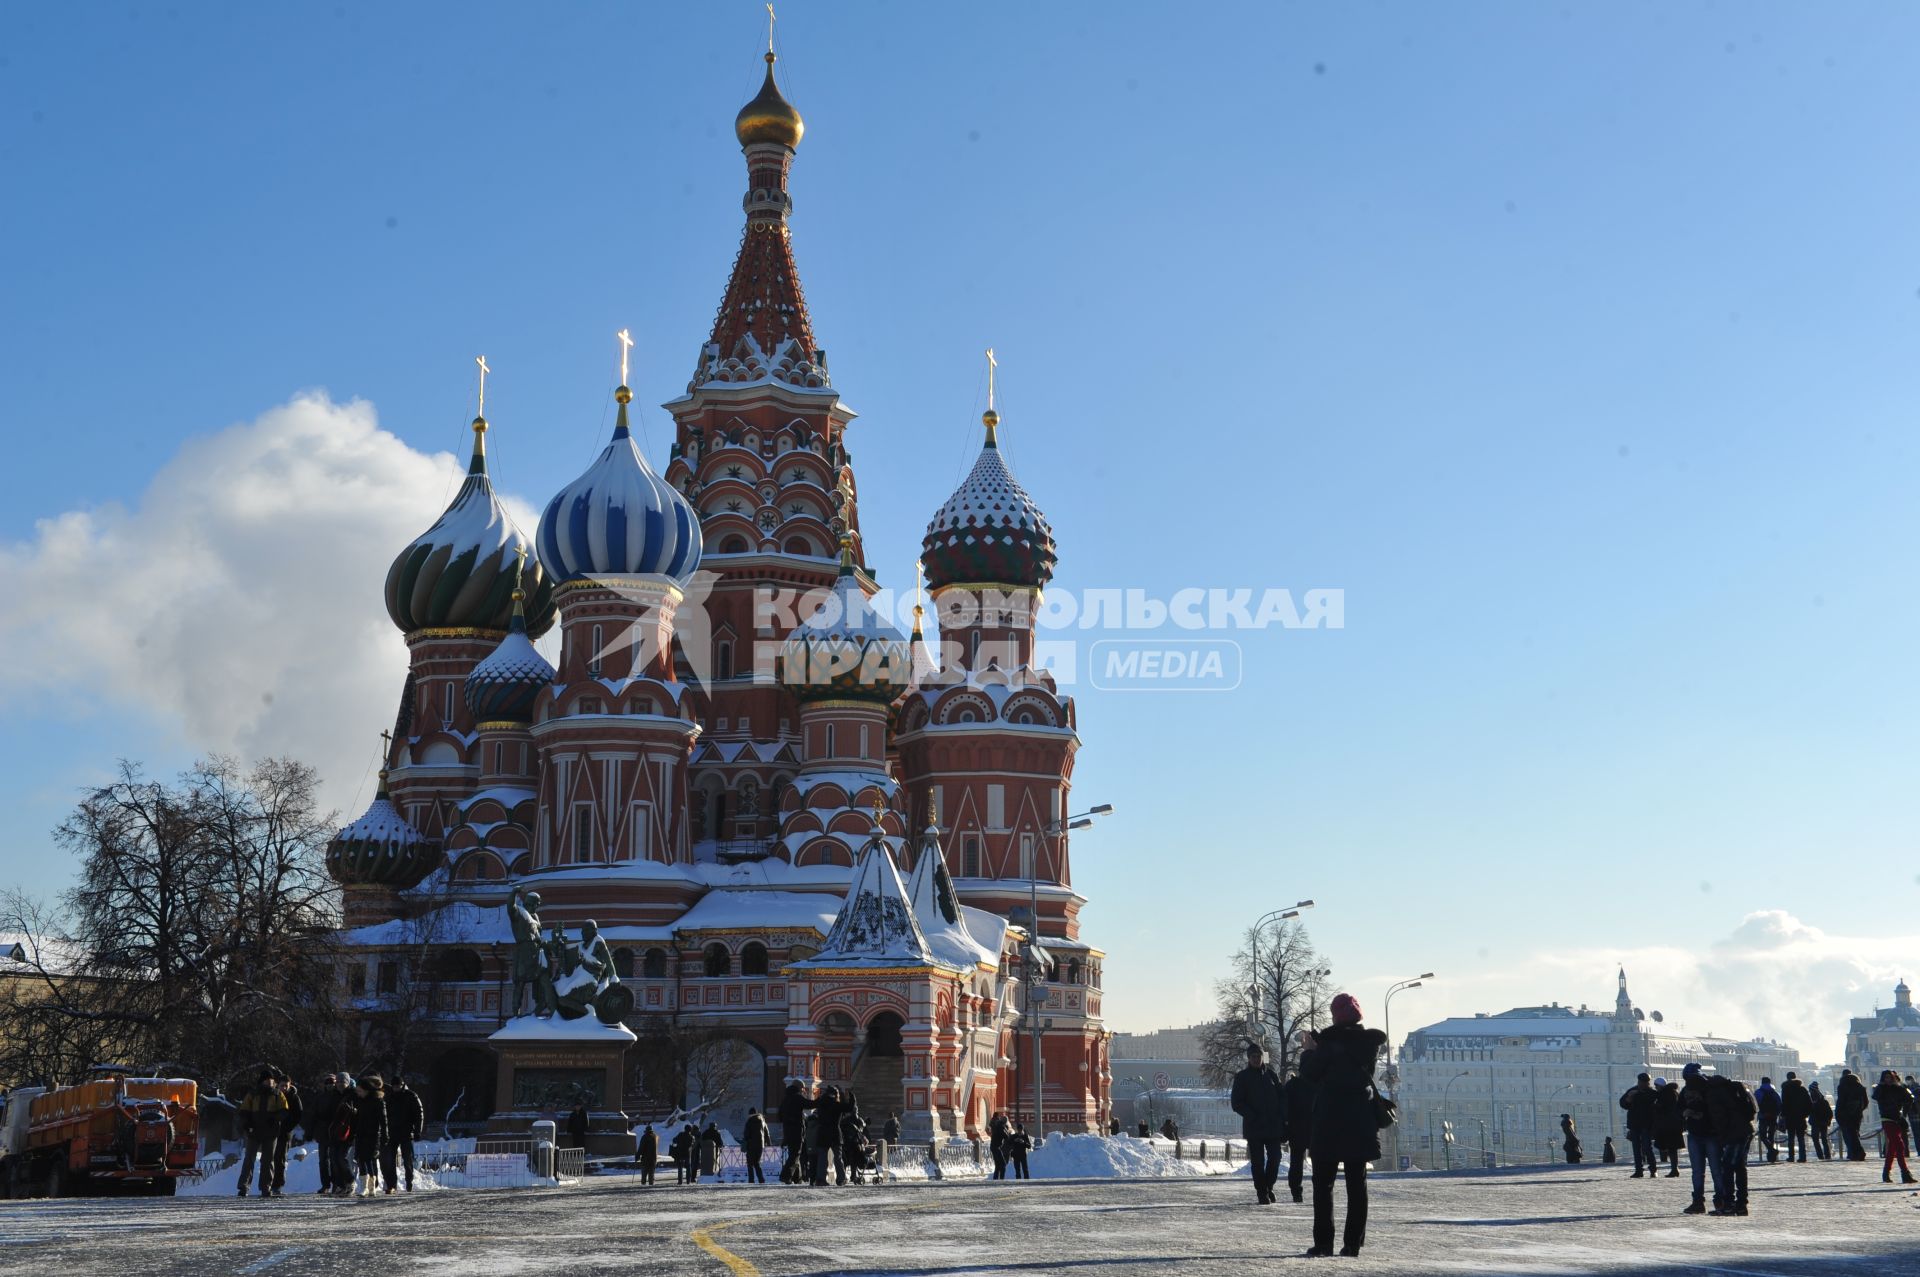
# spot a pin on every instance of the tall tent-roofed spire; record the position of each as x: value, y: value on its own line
x: 875, y: 926
x: 936, y: 905
x: 762, y: 331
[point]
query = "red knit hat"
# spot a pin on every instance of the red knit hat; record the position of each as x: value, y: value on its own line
x: 1345, y: 1009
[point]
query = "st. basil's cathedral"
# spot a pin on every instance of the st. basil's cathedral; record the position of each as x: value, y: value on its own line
x: 820, y: 849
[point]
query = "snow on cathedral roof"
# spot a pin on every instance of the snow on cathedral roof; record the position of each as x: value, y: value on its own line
x: 989, y: 531
x: 936, y: 907
x: 875, y: 926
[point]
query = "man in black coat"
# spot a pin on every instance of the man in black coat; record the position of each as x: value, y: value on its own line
x: 1849, y: 1107
x: 1339, y: 1061
x: 1796, y: 1106
x: 1703, y: 1149
x: 647, y: 1154
x: 1767, y: 1100
x: 1298, y: 1100
x: 1819, y: 1122
x: 793, y: 1128
x: 290, y: 1119
x: 753, y: 1145
x: 997, y: 1143
x: 317, y: 1120
x: 1260, y: 1100
x: 406, y: 1121
x: 1638, y: 1103
x: 1731, y: 1109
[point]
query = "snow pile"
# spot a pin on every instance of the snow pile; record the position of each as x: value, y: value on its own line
x: 1104, y: 1157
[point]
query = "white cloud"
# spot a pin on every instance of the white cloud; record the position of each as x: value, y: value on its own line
x: 1774, y: 976
x: 239, y: 601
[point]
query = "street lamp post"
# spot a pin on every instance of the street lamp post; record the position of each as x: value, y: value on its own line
x: 1054, y: 830
x: 1292, y: 911
x: 1402, y: 986
x: 1444, y: 1092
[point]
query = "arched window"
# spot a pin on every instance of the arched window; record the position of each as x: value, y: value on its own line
x: 623, y: 963
x: 778, y: 793
x: 457, y: 964
x: 734, y: 545
x: 653, y: 964
x: 753, y: 958
x: 799, y: 545
x: 719, y: 960
x: 1073, y: 971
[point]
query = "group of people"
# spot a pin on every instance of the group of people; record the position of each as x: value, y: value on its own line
x: 363, y: 1129
x: 823, y: 1138
x: 1717, y: 1119
x: 1009, y: 1143
x: 1328, y: 1113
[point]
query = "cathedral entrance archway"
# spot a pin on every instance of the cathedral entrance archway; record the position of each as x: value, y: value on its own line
x: 883, y: 1035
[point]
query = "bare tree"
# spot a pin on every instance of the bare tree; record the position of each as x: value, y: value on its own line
x: 1278, y: 985
x: 679, y: 1061
x: 197, y: 932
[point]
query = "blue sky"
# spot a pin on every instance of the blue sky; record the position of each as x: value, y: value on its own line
x: 1575, y: 343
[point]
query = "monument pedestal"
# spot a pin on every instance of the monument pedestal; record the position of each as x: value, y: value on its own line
x: 550, y: 1066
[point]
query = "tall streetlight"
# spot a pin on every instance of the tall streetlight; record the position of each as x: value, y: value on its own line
x: 1402, y: 986
x: 1280, y: 915
x: 1054, y: 830
x: 1444, y: 1091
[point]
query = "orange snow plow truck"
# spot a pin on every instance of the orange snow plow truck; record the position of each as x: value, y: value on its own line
x: 111, y: 1130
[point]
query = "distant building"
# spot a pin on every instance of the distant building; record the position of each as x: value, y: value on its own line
x: 1504, y: 1080
x: 1159, y: 1074
x: 1887, y: 1039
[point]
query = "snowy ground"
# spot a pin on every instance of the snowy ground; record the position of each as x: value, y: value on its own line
x: 1551, y: 1222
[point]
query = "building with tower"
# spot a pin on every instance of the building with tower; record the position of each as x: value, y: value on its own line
x: 1887, y: 1039
x: 818, y: 849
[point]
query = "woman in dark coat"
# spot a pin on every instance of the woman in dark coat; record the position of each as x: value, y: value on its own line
x: 1669, y: 1132
x: 369, y: 1133
x: 1338, y: 1063
x: 343, y: 1120
x: 1570, y: 1138
x: 1893, y: 1101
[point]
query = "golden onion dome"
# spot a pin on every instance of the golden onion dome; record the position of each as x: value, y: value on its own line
x: 769, y: 117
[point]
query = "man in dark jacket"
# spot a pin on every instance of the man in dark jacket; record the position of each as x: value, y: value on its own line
x: 1260, y: 1100
x: 1298, y: 1099
x: 1339, y: 1061
x: 1638, y: 1105
x: 1795, y: 1107
x: 793, y: 1128
x: 646, y: 1153
x: 260, y: 1122
x: 578, y: 1124
x: 753, y: 1144
x: 1731, y: 1109
x: 1767, y: 1101
x: 406, y: 1121
x: 1849, y: 1107
x: 1669, y: 1132
x: 1913, y: 1115
x: 680, y: 1149
x: 997, y: 1144
x: 318, y: 1122
x: 1703, y: 1149
x: 1820, y: 1122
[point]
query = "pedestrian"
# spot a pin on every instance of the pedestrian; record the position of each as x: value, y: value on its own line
x: 1849, y: 1108
x: 290, y: 1118
x: 1731, y: 1109
x: 852, y: 1134
x: 1669, y: 1133
x: 1913, y: 1114
x: 318, y: 1122
x: 1767, y: 1101
x: 406, y: 1122
x: 711, y: 1142
x: 1819, y: 1122
x: 1113, y: 1127
x: 1339, y: 1061
x: 826, y: 1137
x: 1894, y: 1101
x: 578, y: 1124
x: 813, y: 1172
x: 1703, y: 1150
x: 793, y: 1128
x: 260, y: 1122
x: 1299, y: 1103
x: 753, y: 1145
x: 1569, y: 1139
x: 1171, y: 1129
x: 690, y: 1151
x: 1259, y: 1097
x: 1019, y: 1144
x: 1796, y: 1106
x: 997, y: 1144
x: 646, y: 1154
x: 680, y: 1149
x: 342, y: 1125
x: 1638, y: 1103
x: 889, y: 1136
x: 1607, y: 1154
x: 369, y: 1133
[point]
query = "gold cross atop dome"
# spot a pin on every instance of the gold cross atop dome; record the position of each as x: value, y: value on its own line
x: 991, y: 417
x: 770, y: 21
x: 484, y: 370
x: 626, y: 344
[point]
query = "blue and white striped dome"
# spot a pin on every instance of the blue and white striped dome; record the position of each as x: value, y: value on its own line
x: 619, y: 518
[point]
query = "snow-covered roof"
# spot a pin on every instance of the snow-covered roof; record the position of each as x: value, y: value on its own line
x: 456, y: 923
x: 732, y: 908
x: 875, y: 925
x: 508, y: 796
x: 937, y: 908
x: 851, y: 781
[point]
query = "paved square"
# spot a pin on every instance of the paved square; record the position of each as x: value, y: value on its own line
x: 1818, y: 1218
